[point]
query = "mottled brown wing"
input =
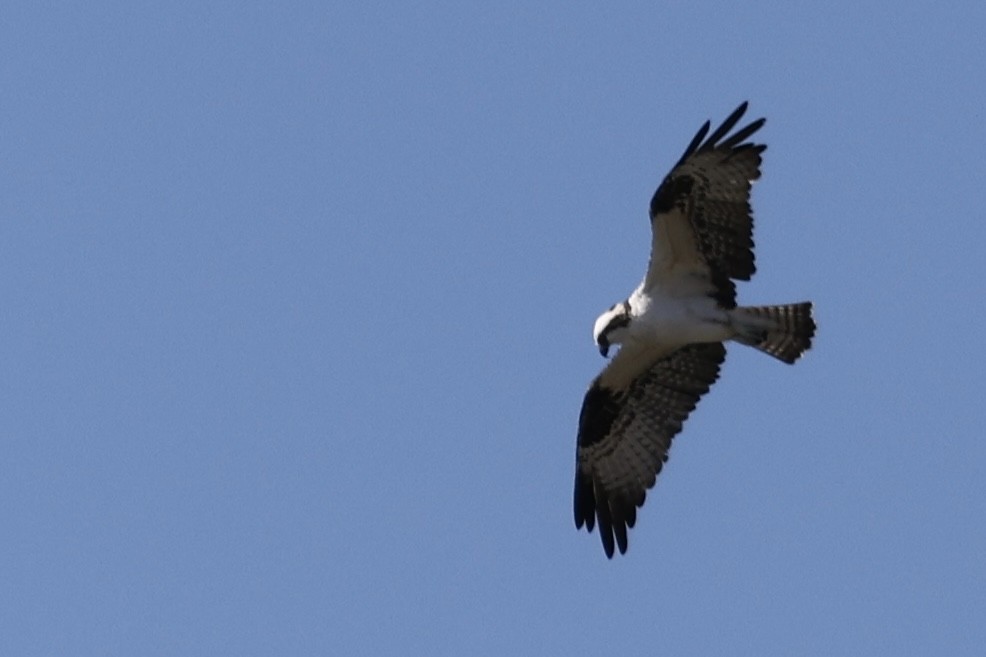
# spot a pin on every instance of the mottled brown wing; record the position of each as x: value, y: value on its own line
x: 701, y: 211
x: 625, y: 435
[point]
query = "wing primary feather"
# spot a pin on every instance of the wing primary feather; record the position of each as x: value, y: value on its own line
x: 631, y: 518
x: 741, y: 135
x: 696, y: 141
x: 605, y: 525
x: 726, y: 126
x: 585, y: 502
x: 620, y: 529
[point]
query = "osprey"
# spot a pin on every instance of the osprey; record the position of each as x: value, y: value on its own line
x: 672, y: 328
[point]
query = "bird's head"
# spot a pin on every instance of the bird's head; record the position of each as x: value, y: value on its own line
x: 611, y: 327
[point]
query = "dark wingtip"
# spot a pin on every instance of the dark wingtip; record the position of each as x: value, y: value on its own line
x: 695, y: 142
x: 740, y: 135
x: 620, y: 529
x: 605, y: 526
x: 726, y: 126
x: 584, y: 504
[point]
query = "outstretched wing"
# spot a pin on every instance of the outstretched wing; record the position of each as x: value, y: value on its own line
x: 625, y: 434
x: 701, y: 219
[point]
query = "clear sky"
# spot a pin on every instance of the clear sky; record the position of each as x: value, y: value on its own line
x: 296, y: 320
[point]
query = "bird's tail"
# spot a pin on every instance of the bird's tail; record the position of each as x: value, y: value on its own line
x: 784, y: 332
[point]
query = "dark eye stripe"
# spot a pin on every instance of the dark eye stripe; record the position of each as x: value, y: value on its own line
x: 619, y: 321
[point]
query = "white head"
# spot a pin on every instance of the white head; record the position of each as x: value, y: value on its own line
x: 611, y: 327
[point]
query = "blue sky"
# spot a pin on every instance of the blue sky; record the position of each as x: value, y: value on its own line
x: 297, y: 309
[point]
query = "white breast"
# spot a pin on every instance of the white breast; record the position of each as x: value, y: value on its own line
x: 677, y: 321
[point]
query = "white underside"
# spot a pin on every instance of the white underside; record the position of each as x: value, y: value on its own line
x: 675, y: 322
x: 662, y: 324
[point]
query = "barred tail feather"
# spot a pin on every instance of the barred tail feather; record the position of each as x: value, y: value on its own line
x: 784, y: 332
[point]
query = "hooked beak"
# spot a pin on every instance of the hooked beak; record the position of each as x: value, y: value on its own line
x: 603, y: 347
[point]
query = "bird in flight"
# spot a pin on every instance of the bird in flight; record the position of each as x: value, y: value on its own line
x: 671, y: 329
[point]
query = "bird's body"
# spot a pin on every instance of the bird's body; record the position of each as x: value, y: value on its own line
x: 671, y: 329
x: 677, y: 321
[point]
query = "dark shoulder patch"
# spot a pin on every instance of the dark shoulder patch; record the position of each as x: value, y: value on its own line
x: 672, y: 189
x: 599, y: 411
